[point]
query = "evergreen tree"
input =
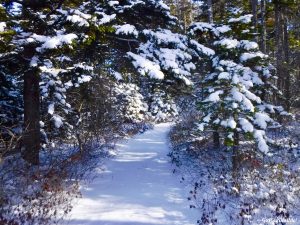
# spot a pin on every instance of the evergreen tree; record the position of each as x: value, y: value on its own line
x: 231, y: 102
x: 10, y: 92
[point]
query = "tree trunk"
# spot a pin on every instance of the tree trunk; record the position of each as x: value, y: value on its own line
x: 278, y: 44
x: 287, y: 82
x: 31, y: 97
x: 254, y: 13
x: 264, y: 27
x: 210, y: 11
x: 216, y: 135
x: 263, y: 40
x: 216, y: 139
x: 235, y: 156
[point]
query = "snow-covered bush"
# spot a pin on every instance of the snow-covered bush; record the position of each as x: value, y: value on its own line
x: 130, y: 103
x: 162, y: 107
x: 266, y: 189
x: 46, y: 195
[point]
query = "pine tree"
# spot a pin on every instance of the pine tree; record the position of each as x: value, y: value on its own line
x: 231, y: 102
x: 46, y: 33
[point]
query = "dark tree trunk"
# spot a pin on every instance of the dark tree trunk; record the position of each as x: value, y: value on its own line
x: 263, y: 40
x: 31, y: 97
x: 216, y: 139
x: 254, y: 4
x: 216, y: 135
x: 235, y: 156
x: 264, y: 27
x: 278, y: 44
x: 287, y: 82
x: 210, y: 11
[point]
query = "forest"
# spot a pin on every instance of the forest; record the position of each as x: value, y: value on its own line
x: 206, y: 91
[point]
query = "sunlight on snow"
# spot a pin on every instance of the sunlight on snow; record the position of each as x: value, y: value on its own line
x: 114, y: 210
x: 135, y: 156
x: 139, y: 189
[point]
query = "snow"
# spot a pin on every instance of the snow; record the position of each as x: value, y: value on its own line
x: 248, y: 56
x: 224, y: 75
x: 53, y: 71
x: 229, y: 123
x: 214, y: 97
x: 52, y: 42
x: 252, y: 96
x: 137, y: 187
x: 201, y: 26
x: 83, y: 66
x: 126, y: 29
x: 227, y: 43
x: 105, y: 18
x: 63, y: 58
x: 118, y: 76
x: 2, y: 26
x: 248, y: 45
x: 34, y: 61
x: 205, y: 27
x: 187, y: 81
x: 236, y: 94
x: 79, y: 18
x: 165, y: 36
x: 51, y: 109
x: 146, y: 66
x: 207, y: 118
x: 202, y: 49
x: 84, y: 79
x: 228, y: 63
x: 112, y: 3
x: 201, y: 126
x: 163, y: 5
x: 130, y: 102
x: 165, y: 51
x: 189, y: 66
x: 259, y: 135
x: 266, y: 72
x: 57, y: 121
x: 241, y: 19
x: 168, y: 58
x: 262, y: 119
x: 42, y: 124
x: 223, y: 29
x: 248, y: 105
x: 246, y: 125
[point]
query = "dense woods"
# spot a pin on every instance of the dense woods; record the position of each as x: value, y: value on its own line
x: 76, y: 76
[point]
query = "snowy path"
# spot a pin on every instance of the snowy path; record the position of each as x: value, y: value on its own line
x: 138, y: 187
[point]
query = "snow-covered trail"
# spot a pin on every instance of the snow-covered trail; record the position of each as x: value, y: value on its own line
x: 138, y: 187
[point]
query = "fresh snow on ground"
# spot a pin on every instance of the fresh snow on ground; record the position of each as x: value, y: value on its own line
x: 137, y: 188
